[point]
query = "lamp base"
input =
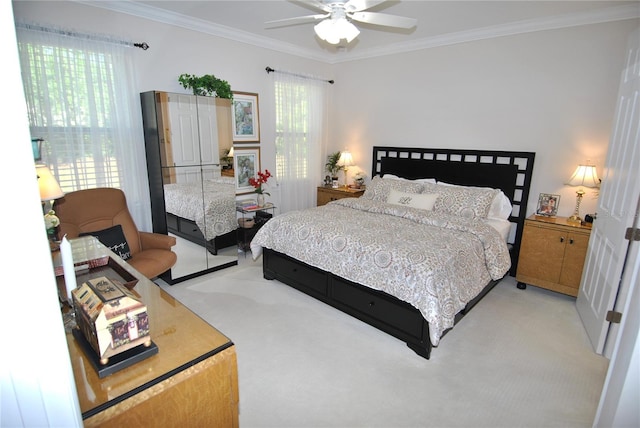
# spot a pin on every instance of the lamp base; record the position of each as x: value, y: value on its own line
x: 574, y: 219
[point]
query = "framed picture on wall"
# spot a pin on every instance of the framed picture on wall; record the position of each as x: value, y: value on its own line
x: 245, y: 118
x: 246, y: 164
x: 548, y: 204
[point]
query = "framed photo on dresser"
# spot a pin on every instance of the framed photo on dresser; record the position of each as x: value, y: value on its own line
x: 548, y: 205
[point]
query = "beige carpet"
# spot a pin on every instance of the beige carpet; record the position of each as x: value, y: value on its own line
x: 519, y: 359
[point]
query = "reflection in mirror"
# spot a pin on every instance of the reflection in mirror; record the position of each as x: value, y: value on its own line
x: 198, y: 201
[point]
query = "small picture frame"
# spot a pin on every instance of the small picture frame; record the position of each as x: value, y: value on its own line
x: 246, y: 164
x: 548, y: 205
x: 245, y: 118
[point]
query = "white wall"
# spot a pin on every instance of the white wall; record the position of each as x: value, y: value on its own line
x: 550, y: 92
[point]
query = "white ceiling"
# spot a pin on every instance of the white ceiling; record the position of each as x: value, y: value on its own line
x: 439, y: 22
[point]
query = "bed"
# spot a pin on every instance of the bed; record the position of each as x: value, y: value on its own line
x: 203, y: 212
x: 440, y: 258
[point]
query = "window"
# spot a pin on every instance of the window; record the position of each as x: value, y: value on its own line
x: 81, y: 102
x: 300, y: 120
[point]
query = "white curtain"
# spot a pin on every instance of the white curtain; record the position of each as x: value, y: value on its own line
x: 83, y: 101
x: 301, y: 117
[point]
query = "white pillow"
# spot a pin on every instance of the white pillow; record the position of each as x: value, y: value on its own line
x: 378, y: 188
x: 423, y: 201
x: 417, y: 180
x: 500, y: 205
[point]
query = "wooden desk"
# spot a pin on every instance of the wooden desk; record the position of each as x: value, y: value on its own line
x: 191, y: 381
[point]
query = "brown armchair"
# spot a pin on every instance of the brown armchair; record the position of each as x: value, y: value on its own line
x: 92, y: 210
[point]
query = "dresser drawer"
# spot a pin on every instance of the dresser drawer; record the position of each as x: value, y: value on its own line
x: 377, y: 306
x: 189, y: 228
x: 308, y: 278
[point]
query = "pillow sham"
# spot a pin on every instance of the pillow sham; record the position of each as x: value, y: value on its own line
x: 423, y: 201
x: 113, y: 238
x: 466, y: 202
x: 500, y: 206
x: 379, y: 188
x: 417, y: 180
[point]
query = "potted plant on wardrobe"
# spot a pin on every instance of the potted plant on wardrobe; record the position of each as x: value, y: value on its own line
x: 207, y: 85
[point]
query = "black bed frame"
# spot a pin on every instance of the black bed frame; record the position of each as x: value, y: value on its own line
x: 190, y: 231
x: 509, y: 171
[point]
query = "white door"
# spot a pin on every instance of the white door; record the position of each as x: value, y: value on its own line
x: 616, y: 210
x: 183, y: 117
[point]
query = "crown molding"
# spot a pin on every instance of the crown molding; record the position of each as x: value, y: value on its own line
x: 202, y: 26
x: 616, y: 13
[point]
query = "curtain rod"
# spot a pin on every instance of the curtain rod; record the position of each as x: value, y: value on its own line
x: 101, y: 38
x: 271, y: 70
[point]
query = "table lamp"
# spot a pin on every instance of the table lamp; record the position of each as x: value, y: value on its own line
x: 48, y: 185
x: 584, y: 176
x: 345, y: 161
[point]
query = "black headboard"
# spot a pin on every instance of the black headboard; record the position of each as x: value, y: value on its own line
x: 509, y: 171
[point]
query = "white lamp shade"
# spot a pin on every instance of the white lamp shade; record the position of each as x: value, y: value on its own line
x: 346, y: 159
x: 49, y: 187
x: 230, y: 152
x: 586, y: 176
x: 334, y: 30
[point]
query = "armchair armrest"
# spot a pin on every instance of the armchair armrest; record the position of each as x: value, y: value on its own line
x: 150, y: 240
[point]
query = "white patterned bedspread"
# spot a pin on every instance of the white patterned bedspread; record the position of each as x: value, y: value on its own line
x: 435, y: 262
x: 216, y: 216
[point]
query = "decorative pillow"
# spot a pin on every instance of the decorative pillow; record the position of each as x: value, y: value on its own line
x: 467, y: 202
x: 424, y: 201
x: 113, y: 238
x: 378, y: 189
x: 417, y: 180
x: 500, y: 206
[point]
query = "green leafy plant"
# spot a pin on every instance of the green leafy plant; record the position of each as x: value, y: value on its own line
x: 206, y: 85
x: 332, y: 166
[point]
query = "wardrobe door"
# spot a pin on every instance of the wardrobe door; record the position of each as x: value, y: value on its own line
x: 182, y: 149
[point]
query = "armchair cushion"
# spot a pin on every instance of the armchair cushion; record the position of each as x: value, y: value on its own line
x: 113, y: 237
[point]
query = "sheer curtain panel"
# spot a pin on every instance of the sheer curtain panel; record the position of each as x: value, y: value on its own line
x: 301, y: 113
x: 82, y: 100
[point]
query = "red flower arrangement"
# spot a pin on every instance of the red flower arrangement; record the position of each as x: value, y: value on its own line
x: 258, y: 182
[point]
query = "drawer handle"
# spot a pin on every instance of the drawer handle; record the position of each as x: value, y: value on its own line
x: 571, y: 241
x: 562, y: 239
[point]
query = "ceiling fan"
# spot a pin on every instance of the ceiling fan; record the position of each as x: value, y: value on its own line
x: 335, y: 23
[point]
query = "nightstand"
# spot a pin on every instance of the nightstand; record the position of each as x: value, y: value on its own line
x: 227, y: 172
x: 261, y: 216
x: 327, y: 194
x: 552, y: 254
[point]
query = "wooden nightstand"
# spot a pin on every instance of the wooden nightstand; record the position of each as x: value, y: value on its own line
x: 327, y: 194
x: 552, y: 254
x: 227, y: 172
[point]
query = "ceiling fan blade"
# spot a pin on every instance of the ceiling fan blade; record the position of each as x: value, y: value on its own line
x: 358, y: 5
x: 384, y: 19
x: 295, y: 21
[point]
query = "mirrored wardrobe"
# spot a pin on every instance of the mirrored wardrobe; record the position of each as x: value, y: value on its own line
x: 191, y: 198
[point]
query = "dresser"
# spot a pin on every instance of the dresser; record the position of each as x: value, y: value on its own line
x: 552, y: 254
x: 327, y: 194
x: 191, y: 381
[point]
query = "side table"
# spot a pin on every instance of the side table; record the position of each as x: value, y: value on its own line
x: 260, y: 215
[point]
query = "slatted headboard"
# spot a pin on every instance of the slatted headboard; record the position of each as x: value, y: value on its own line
x: 509, y: 171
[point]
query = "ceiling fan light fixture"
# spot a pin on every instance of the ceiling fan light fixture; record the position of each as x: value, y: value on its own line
x: 333, y: 30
